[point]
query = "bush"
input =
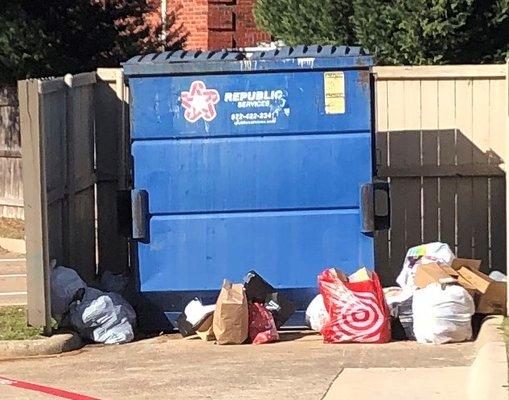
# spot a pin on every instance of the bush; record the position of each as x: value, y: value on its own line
x: 396, y: 31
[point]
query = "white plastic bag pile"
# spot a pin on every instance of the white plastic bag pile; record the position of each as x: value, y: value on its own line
x: 104, y: 317
x: 435, y: 252
x: 437, y: 313
x: 442, y: 313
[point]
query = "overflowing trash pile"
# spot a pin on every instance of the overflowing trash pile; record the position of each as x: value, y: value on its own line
x: 439, y: 293
x: 434, y: 301
x: 103, y: 317
x: 436, y: 297
x: 251, y: 312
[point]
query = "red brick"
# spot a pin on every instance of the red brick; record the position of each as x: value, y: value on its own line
x: 215, y: 24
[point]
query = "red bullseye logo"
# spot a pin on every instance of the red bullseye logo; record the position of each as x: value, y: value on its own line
x: 199, y: 102
x: 359, y: 314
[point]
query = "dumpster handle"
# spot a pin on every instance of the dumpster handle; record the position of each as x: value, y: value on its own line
x: 370, y: 204
x: 140, y: 214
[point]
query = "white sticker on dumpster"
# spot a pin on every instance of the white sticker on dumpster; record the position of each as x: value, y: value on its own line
x: 334, y: 92
x: 258, y: 107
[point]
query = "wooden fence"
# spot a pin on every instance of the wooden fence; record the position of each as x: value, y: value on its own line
x: 11, y: 188
x: 73, y: 135
x: 440, y: 135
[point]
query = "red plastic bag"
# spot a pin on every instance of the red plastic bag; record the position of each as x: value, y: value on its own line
x: 262, y: 328
x: 358, y: 311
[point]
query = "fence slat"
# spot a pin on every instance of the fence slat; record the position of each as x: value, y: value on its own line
x: 413, y: 153
x: 497, y: 224
x: 397, y: 239
x: 480, y: 155
x: 497, y: 129
x: 464, y: 153
x: 429, y: 135
x: 382, y: 257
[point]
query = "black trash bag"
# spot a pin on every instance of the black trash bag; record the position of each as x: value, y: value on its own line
x: 258, y: 290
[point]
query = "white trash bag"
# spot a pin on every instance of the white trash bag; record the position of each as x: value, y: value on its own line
x: 316, y: 314
x: 498, y: 276
x: 103, y: 317
x: 437, y: 252
x: 442, y: 313
x: 64, y: 284
x: 400, y: 306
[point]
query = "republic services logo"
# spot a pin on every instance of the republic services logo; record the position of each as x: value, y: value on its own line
x: 199, y: 102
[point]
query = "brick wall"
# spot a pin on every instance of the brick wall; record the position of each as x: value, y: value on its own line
x: 216, y: 24
x: 193, y: 16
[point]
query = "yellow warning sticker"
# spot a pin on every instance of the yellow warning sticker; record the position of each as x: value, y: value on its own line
x: 334, y: 90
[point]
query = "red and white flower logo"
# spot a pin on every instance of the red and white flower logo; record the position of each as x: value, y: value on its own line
x: 199, y: 102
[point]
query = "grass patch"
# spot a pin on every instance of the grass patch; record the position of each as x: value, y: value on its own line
x: 13, y: 324
x: 12, y: 228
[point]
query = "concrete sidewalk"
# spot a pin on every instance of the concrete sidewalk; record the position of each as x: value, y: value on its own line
x: 299, y: 367
x: 448, y: 383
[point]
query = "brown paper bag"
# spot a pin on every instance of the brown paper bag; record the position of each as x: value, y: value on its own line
x: 231, y: 317
x: 205, y: 331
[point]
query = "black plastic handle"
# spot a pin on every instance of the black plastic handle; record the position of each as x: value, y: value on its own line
x: 141, y: 217
x: 372, y: 205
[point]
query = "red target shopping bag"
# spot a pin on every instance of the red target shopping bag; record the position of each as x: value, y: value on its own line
x: 358, y: 311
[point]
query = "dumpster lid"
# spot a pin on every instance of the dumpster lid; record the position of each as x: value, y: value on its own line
x: 287, y: 57
x: 311, y: 51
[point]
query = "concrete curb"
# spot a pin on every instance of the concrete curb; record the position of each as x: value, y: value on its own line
x: 55, y: 344
x: 13, y: 245
x: 489, y: 374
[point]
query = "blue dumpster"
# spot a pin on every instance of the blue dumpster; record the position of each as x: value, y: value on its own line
x: 241, y: 161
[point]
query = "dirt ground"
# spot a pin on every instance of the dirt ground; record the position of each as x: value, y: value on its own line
x: 298, y: 367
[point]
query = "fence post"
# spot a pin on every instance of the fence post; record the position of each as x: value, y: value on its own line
x: 506, y: 169
x: 35, y: 200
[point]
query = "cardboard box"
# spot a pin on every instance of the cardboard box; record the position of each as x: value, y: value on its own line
x: 432, y: 273
x: 471, y: 264
x: 477, y: 279
x: 490, y: 296
x: 494, y: 301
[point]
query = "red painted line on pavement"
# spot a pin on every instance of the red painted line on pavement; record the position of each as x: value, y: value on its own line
x: 45, y: 389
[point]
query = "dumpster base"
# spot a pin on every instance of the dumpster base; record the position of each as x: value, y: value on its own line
x: 158, y: 311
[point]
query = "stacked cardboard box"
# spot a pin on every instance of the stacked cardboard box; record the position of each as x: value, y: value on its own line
x: 490, y: 296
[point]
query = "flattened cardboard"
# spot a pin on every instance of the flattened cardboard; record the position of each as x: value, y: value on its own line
x: 477, y: 279
x: 427, y: 274
x: 494, y: 301
x: 466, y: 284
x: 472, y: 264
x: 451, y: 271
x: 206, y: 330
